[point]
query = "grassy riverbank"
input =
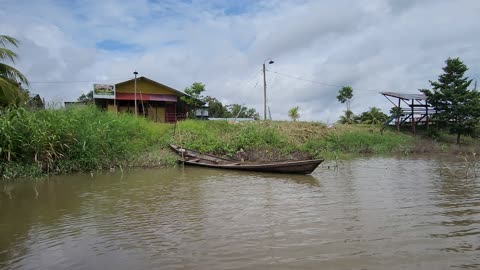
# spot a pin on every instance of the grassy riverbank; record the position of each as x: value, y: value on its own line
x: 87, y: 139
x: 288, y: 140
x: 77, y: 139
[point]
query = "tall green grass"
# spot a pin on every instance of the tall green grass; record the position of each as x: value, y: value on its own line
x: 87, y: 139
x: 358, y: 140
x: 76, y: 139
x: 221, y: 137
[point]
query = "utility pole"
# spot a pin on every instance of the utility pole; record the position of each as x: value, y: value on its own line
x: 135, y: 91
x: 264, y: 94
x: 475, y: 85
x: 265, y: 89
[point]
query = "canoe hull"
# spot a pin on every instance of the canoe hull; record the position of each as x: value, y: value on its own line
x: 298, y: 167
x: 190, y: 157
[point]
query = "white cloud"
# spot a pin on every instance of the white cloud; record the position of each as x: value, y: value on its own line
x: 372, y: 46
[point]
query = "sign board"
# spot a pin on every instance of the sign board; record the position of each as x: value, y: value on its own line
x: 104, y: 91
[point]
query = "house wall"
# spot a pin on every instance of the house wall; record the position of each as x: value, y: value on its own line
x: 157, y: 111
x: 160, y: 114
x: 154, y: 111
x: 125, y: 109
x: 156, y: 114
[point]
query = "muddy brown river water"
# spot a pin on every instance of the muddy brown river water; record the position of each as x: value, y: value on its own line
x: 368, y: 213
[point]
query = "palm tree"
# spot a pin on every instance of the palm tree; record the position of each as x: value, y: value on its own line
x: 347, y: 118
x: 293, y: 113
x: 396, y: 113
x: 10, y: 78
x: 373, y: 116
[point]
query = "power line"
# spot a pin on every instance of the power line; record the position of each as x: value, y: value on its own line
x: 317, y: 82
x: 302, y: 79
x: 67, y: 82
x: 253, y: 79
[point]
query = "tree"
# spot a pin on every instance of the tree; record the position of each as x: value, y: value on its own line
x: 240, y: 111
x: 215, y: 107
x: 345, y: 95
x: 456, y: 107
x: 11, y: 92
x: 348, y: 118
x: 396, y: 113
x: 233, y: 110
x: 194, y: 98
x: 373, y: 116
x: 252, y: 113
x: 293, y: 113
x: 86, y: 97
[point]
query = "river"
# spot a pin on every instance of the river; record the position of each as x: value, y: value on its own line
x: 367, y: 213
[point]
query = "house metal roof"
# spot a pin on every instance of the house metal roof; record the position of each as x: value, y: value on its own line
x: 179, y: 93
x: 405, y: 96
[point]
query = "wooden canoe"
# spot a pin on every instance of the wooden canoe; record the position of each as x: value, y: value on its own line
x: 194, y: 158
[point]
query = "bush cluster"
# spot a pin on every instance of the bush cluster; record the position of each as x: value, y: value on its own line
x: 66, y: 140
x: 221, y: 137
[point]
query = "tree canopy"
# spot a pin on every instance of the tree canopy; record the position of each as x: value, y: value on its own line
x: 293, y: 114
x: 396, y: 113
x: 11, y: 92
x: 347, y: 118
x: 194, y: 100
x: 88, y: 97
x: 215, y: 107
x: 457, y: 107
x: 240, y: 111
x: 373, y: 116
x: 345, y: 95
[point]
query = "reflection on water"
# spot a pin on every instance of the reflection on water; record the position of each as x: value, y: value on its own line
x: 375, y: 213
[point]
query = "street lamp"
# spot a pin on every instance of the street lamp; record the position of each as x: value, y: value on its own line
x: 135, y: 91
x: 265, y: 88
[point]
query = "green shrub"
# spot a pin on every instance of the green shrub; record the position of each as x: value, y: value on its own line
x: 76, y: 139
x: 356, y: 141
x: 221, y: 137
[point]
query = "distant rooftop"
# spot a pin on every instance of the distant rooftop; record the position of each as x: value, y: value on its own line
x: 405, y: 96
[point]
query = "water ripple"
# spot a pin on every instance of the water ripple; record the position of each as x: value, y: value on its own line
x: 404, y: 214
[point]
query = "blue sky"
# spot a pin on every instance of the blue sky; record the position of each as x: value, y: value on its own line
x: 376, y: 45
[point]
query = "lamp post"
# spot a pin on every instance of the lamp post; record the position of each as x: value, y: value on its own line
x: 135, y: 91
x: 265, y: 88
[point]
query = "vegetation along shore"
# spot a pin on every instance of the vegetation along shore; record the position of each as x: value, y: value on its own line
x: 86, y: 139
